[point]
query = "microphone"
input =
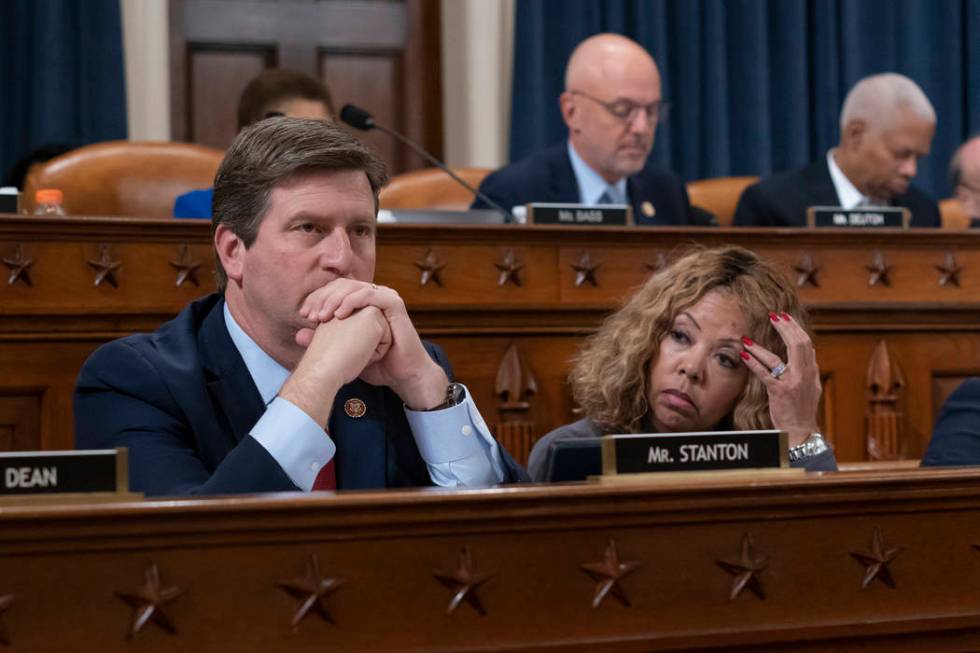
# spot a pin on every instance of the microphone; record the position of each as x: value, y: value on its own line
x: 360, y: 119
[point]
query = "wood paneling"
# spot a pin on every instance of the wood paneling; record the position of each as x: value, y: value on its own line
x: 380, y: 54
x: 64, y: 565
x: 20, y: 419
x: 932, y: 333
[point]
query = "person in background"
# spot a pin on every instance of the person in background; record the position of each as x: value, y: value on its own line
x: 964, y: 174
x: 886, y: 126
x: 300, y: 373
x: 716, y: 341
x: 612, y: 105
x: 274, y: 92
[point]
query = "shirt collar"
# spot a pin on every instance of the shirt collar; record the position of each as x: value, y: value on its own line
x: 847, y: 194
x: 267, y: 374
x: 591, y: 185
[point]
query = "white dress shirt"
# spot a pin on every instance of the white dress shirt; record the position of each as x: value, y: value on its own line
x: 847, y: 194
x: 455, y: 443
x: 591, y: 185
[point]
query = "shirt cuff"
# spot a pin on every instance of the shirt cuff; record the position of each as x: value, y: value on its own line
x: 295, y: 441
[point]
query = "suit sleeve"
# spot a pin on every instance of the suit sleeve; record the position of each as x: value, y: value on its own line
x: 751, y: 210
x: 122, y: 400
x: 495, y: 188
x: 956, y: 435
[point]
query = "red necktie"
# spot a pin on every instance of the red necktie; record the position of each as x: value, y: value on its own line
x: 326, y: 479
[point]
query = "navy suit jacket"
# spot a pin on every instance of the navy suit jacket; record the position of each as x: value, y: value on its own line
x: 956, y: 435
x: 782, y: 200
x: 547, y: 176
x: 183, y: 402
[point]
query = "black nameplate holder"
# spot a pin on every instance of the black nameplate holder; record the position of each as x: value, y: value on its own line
x: 694, y: 452
x: 99, y: 472
x: 871, y: 217
x: 580, y: 215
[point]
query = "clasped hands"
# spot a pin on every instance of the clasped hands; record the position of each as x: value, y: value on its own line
x: 361, y: 330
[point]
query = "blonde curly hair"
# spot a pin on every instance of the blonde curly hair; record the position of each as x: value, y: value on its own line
x: 611, y: 373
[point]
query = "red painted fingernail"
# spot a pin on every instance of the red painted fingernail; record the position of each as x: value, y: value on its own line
x: 784, y: 315
x: 773, y: 317
x: 744, y: 354
x: 748, y: 341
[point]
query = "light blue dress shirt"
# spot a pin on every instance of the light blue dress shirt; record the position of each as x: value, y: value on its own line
x: 455, y: 443
x: 591, y: 185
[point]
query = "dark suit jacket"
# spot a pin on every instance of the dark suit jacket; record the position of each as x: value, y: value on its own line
x: 956, y: 435
x: 547, y: 176
x: 183, y: 402
x: 782, y: 200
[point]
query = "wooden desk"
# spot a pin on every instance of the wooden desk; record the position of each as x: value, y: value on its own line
x: 890, y: 351
x: 807, y: 539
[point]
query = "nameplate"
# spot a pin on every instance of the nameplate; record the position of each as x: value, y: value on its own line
x: 872, y: 217
x: 676, y: 452
x: 63, y: 472
x: 585, y: 215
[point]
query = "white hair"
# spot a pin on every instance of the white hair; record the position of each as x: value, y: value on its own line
x: 874, y: 99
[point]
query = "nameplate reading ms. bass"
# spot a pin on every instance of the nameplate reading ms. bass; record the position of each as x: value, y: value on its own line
x: 597, y: 215
x: 871, y: 217
x: 63, y: 472
x: 676, y: 452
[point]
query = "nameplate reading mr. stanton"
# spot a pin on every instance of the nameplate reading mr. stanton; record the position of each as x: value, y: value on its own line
x: 663, y: 452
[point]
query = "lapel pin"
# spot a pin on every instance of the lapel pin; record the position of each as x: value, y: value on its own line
x: 648, y: 209
x: 355, y: 408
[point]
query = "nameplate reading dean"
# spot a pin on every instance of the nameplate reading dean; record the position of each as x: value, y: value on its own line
x: 583, y: 215
x: 678, y: 452
x: 869, y: 217
x: 64, y: 472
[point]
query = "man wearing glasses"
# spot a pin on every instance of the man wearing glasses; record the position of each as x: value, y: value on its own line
x: 965, y: 174
x: 612, y: 104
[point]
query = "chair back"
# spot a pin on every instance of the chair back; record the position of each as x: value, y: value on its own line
x: 953, y: 215
x: 431, y: 188
x: 719, y: 195
x: 125, y: 178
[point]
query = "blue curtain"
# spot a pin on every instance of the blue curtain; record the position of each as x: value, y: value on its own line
x: 61, y: 75
x: 756, y: 86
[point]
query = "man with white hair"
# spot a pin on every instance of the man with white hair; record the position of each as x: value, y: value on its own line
x: 964, y: 172
x: 611, y: 104
x: 887, y: 124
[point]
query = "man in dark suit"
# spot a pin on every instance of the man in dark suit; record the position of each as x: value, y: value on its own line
x: 611, y: 104
x: 964, y: 173
x: 300, y: 373
x: 956, y: 435
x: 887, y: 124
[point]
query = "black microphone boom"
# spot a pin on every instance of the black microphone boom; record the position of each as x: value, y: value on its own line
x: 360, y: 119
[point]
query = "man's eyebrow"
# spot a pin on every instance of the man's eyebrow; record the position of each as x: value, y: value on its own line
x: 691, y: 318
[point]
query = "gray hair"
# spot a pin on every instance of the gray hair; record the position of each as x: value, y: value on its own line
x: 271, y: 151
x: 875, y: 98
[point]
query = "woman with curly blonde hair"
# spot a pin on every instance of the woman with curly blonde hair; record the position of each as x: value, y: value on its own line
x: 715, y: 341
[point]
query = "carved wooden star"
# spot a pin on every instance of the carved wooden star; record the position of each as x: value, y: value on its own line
x: 464, y: 582
x: 431, y: 268
x: 148, y: 603
x: 608, y: 573
x: 186, y: 267
x: 876, y: 561
x: 19, y: 267
x: 745, y: 570
x: 509, y: 268
x: 949, y: 271
x: 659, y: 264
x: 806, y: 272
x: 878, y: 270
x: 312, y: 590
x: 5, y: 602
x: 585, y: 270
x: 105, y: 268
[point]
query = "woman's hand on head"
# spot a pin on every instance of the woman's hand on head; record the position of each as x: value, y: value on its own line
x: 794, y: 397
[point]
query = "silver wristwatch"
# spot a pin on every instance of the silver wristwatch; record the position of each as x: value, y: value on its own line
x: 455, y: 395
x: 812, y: 446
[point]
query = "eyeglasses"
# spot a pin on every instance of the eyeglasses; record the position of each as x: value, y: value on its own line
x: 625, y: 110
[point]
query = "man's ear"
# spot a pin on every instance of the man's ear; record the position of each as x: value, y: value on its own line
x: 855, y: 131
x: 231, y: 251
x: 569, y: 111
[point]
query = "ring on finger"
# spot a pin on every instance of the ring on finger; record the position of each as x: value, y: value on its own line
x: 374, y: 286
x: 778, y: 371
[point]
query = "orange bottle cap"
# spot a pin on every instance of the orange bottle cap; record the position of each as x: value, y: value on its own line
x: 49, y: 196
